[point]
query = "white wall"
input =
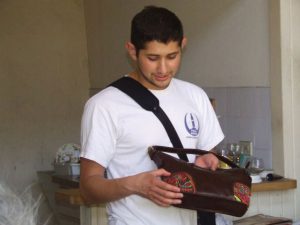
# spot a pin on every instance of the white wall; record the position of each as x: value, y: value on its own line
x: 228, y: 40
x: 245, y: 115
x: 290, y: 83
x: 285, y: 86
x: 228, y: 43
x: 44, y: 84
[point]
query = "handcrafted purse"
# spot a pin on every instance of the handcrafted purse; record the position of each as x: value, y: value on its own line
x: 225, y: 191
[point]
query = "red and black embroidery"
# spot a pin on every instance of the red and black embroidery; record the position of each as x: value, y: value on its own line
x: 182, y: 180
x: 242, y: 193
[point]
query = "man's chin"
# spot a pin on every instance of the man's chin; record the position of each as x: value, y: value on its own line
x: 162, y: 85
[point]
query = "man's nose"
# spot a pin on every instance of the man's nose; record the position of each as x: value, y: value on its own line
x: 162, y: 66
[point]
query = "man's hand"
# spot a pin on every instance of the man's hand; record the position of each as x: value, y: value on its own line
x: 149, y: 185
x: 208, y: 161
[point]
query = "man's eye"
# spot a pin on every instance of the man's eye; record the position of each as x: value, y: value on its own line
x: 152, y: 58
x: 172, y: 56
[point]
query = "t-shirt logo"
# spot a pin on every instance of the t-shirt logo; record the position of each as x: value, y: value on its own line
x: 191, y: 123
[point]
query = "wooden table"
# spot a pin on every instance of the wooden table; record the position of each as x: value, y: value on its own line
x: 277, y: 185
x: 72, y: 194
x: 68, y: 194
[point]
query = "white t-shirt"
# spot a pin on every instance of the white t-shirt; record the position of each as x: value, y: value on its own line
x: 116, y: 133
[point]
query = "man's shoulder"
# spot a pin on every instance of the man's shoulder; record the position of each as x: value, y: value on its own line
x: 102, y: 95
x: 108, y: 97
x: 187, y: 86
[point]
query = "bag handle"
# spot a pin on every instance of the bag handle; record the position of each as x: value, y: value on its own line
x: 155, y: 148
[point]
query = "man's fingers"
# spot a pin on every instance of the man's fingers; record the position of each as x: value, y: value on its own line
x: 161, y: 173
x: 168, y: 190
x: 165, y: 198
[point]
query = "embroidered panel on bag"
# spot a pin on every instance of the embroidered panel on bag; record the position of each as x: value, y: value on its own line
x: 242, y: 193
x: 182, y: 180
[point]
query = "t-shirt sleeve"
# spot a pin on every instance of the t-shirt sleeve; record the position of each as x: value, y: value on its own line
x: 210, y: 130
x: 97, y: 133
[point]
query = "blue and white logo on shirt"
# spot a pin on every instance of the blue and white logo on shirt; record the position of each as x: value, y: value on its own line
x: 191, y: 123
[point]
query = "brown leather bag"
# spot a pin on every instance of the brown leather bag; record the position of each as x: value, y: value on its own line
x: 225, y: 191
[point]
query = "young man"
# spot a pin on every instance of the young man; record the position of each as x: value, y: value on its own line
x: 116, y: 131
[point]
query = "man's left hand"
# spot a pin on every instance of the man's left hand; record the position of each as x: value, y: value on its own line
x: 207, y: 161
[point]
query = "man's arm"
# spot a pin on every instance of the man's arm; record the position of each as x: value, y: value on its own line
x: 95, y: 188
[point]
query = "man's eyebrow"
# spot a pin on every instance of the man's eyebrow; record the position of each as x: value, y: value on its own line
x: 173, y: 53
x: 153, y: 54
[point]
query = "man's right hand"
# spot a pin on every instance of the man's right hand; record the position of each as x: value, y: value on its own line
x: 149, y: 185
x: 95, y: 188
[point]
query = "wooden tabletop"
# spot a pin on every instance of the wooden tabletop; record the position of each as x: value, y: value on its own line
x: 69, y: 197
x: 72, y: 195
x: 66, y: 181
x: 276, y: 185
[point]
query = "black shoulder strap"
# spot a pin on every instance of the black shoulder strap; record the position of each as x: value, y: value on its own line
x: 149, y: 102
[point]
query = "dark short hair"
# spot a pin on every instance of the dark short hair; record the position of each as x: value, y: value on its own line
x: 155, y: 24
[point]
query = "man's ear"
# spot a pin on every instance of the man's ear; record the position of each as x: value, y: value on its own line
x: 184, y: 42
x: 131, y: 50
